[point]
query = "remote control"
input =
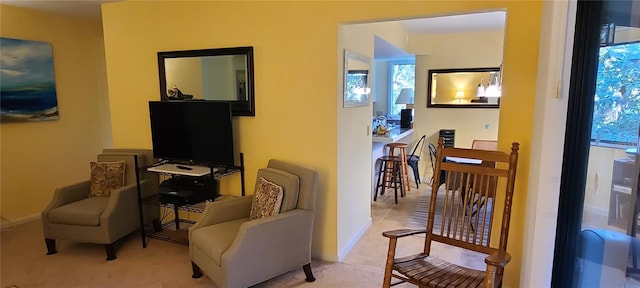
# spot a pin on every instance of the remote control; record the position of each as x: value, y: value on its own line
x: 184, y: 167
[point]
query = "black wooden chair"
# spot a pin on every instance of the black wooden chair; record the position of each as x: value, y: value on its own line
x: 413, y: 159
x: 432, y: 157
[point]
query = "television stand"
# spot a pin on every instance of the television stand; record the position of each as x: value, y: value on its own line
x: 186, y: 190
x: 180, y: 169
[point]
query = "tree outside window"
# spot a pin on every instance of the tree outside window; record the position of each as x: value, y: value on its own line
x: 401, y: 75
x: 616, y: 113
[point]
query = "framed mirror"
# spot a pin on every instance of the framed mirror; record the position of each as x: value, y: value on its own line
x: 464, y: 88
x: 356, y: 79
x: 223, y: 74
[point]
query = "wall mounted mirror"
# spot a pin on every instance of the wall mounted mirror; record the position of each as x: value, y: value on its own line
x: 356, y: 79
x: 464, y: 88
x: 224, y: 74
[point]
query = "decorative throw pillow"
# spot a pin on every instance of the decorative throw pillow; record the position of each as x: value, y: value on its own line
x: 267, y: 200
x: 105, y: 177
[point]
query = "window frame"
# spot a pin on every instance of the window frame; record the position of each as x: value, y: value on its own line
x: 605, y: 142
x: 390, y: 102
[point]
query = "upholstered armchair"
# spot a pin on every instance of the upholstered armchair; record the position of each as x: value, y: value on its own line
x: 74, y: 215
x: 235, y: 251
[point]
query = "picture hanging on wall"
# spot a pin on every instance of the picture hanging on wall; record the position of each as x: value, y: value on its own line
x: 27, y: 89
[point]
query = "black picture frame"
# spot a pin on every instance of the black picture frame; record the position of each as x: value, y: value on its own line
x: 475, y: 102
x: 239, y: 107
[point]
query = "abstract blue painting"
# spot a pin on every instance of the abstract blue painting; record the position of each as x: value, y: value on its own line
x: 27, y: 82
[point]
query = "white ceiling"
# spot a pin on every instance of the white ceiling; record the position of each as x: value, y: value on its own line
x: 439, y: 25
x: 457, y: 23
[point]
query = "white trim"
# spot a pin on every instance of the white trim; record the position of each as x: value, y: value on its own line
x: 390, y: 64
x: 347, y: 248
x: 19, y: 221
x: 547, y: 142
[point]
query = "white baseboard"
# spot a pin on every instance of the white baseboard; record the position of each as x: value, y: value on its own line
x: 347, y: 248
x: 8, y: 224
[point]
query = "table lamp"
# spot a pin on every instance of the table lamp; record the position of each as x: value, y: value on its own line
x: 406, y: 115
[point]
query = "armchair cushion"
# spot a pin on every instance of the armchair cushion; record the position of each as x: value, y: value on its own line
x: 216, y: 239
x: 105, y: 177
x: 267, y: 199
x: 290, y: 186
x: 84, y: 212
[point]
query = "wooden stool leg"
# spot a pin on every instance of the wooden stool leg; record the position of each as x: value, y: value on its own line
x: 387, y: 179
x: 396, y: 177
x: 405, y: 172
x: 379, y: 181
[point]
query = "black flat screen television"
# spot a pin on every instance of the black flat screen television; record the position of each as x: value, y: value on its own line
x: 199, y: 132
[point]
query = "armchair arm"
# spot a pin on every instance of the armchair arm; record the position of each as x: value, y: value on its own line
x: 499, y: 258
x: 148, y: 187
x: 68, y: 194
x: 495, y: 263
x: 224, y: 211
x: 394, y: 234
x: 121, y: 214
x: 286, y: 237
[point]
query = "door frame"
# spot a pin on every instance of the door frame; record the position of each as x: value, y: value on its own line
x: 577, y: 140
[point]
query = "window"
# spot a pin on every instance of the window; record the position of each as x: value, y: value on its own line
x: 401, y: 75
x: 616, y: 112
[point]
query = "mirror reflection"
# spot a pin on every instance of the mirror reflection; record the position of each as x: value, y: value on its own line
x: 465, y: 88
x: 224, y: 74
x: 188, y: 75
x: 356, y: 79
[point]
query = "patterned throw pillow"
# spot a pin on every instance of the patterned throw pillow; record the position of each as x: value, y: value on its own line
x: 267, y: 200
x: 105, y: 177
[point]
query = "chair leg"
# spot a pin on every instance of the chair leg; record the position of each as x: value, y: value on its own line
x: 197, y: 273
x: 51, y: 246
x: 416, y: 175
x: 308, y: 273
x: 111, y: 251
x: 157, y: 227
x: 379, y: 183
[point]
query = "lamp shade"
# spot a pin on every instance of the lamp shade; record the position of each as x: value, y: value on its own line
x: 493, y: 91
x: 405, y: 96
x: 481, y: 92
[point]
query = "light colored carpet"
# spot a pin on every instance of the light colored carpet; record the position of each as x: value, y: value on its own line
x: 24, y: 263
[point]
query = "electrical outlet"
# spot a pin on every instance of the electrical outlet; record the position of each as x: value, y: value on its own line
x: 368, y: 130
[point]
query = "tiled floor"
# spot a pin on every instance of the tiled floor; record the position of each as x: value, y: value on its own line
x: 371, y: 249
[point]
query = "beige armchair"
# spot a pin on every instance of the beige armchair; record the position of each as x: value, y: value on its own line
x: 73, y: 215
x: 237, y: 252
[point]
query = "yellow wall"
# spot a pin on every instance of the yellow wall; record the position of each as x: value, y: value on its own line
x: 296, y: 72
x: 38, y: 157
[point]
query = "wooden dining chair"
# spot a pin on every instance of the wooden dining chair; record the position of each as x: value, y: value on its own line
x: 484, y: 145
x: 450, y: 223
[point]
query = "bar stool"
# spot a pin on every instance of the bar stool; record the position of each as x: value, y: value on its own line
x: 402, y: 153
x: 389, y: 175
